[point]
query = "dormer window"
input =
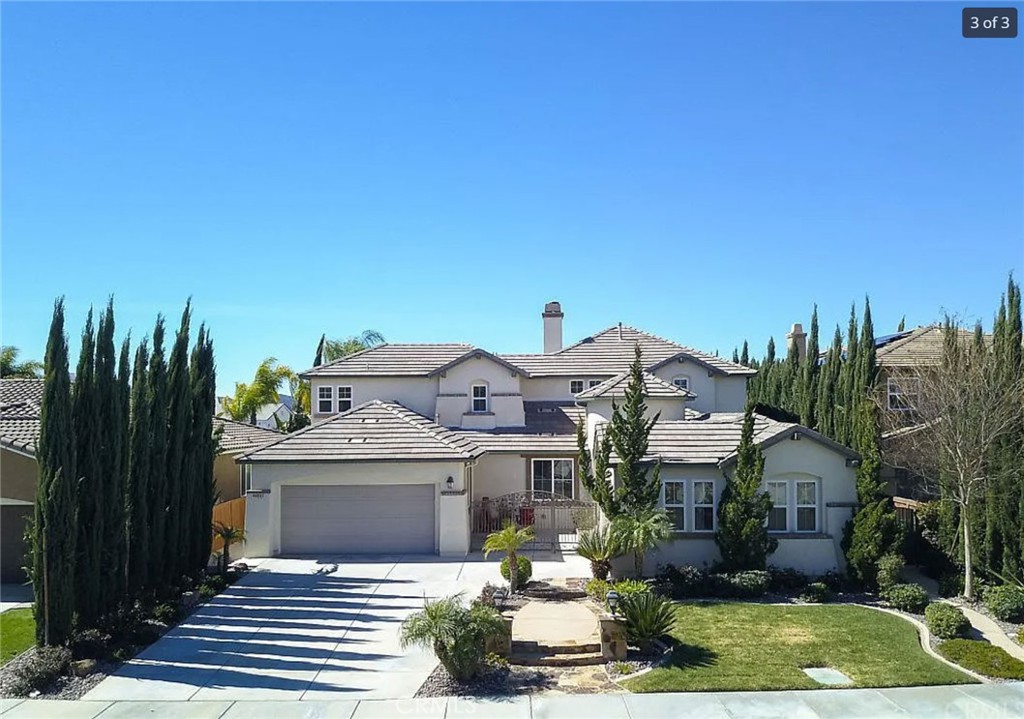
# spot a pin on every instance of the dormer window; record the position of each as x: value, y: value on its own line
x: 575, y: 386
x: 325, y: 400
x: 681, y: 381
x: 481, y: 400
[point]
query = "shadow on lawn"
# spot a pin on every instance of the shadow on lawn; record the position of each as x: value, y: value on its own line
x: 689, y: 656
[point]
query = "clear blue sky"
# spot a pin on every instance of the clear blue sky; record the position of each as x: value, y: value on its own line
x: 438, y: 171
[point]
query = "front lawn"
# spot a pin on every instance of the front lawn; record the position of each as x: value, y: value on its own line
x: 17, y: 633
x: 732, y: 646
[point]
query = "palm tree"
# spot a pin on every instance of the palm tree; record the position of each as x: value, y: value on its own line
x: 263, y: 390
x: 455, y: 633
x: 10, y: 367
x: 640, y: 532
x: 331, y: 350
x: 509, y: 540
x: 228, y: 534
x: 600, y: 546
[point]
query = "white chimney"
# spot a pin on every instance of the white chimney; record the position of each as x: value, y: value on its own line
x: 552, y: 327
x: 798, y: 337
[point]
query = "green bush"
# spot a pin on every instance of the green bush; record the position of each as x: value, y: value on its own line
x: 818, y: 593
x: 946, y: 621
x: 786, y: 580
x: 1006, y: 602
x: 89, y: 644
x: 648, y: 617
x: 208, y: 591
x: 743, y: 585
x: 890, y: 571
x: 951, y: 584
x: 598, y: 589
x: 983, y: 658
x: 907, y: 597
x: 524, y: 570
x: 455, y: 633
x: 166, y: 613
x: 630, y: 587
x: 686, y: 581
x: 40, y: 670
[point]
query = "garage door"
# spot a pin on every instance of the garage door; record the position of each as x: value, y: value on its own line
x: 365, y: 519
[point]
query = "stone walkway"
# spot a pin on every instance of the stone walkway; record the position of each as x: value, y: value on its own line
x: 555, y: 623
x: 978, y: 701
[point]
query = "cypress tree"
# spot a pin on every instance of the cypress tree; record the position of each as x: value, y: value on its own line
x: 54, y: 530
x: 742, y: 534
x: 157, y: 484
x: 110, y: 445
x: 745, y: 354
x: 809, y: 379
x: 179, y: 425
x: 203, y: 449
x: 90, y: 490
x: 639, y: 483
x: 903, y: 324
x: 124, y: 371
x: 848, y: 384
x: 137, y: 492
x: 735, y: 355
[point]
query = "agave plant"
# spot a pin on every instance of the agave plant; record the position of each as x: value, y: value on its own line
x: 455, y: 633
x: 600, y: 546
x: 648, y: 616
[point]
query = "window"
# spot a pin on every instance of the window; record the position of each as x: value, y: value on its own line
x: 703, y: 506
x: 675, y: 504
x: 902, y: 393
x: 594, y: 383
x: 682, y: 381
x: 344, y: 399
x: 777, y: 516
x: 553, y: 475
x: 575, y: 386
x: 806, y: 506
x: 246, y: 470
x: 480, y: 403
x: 325, y: 400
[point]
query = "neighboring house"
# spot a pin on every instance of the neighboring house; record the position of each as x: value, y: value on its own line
x: 268, y: 416
x: 20, y: 403
x: 423, y: 448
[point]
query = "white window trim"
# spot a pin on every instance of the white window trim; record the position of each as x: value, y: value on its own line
x: 245, y: 471
x: 593, y: 382
x: 786, y: 485
x: 797, y: 506
x: 473, y: 398
x: 345, y: 399
x: 792, y: 506
x: 552, y: 460
x: 320, y: 399
x: 894, y: 389
x: 582, y: 383
x: 684, y: 377
x: 690, y: 506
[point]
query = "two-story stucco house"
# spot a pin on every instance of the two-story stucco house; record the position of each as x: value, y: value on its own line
x: 423, y: 448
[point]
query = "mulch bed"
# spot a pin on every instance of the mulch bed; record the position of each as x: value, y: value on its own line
x: 494, y: 681
x: 65, y: 687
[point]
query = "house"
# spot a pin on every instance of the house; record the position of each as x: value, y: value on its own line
x: 270, y: 415
x: 424, y: 448
x: 20, y: 406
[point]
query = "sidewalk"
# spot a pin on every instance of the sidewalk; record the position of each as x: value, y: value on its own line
x: 973, y: 701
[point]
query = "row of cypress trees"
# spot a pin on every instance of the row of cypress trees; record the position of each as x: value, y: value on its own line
x: 125, y: 493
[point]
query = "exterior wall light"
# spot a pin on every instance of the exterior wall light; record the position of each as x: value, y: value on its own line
x: 450, y: 482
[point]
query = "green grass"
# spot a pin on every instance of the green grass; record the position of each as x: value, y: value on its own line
x: 17, y: 633
x: 983, y: 658
x: 732, y: 646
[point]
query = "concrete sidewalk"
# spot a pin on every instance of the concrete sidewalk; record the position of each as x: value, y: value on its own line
x: 976, y: 701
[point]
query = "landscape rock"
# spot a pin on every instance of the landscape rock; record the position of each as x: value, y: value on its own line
x: 83, y: 667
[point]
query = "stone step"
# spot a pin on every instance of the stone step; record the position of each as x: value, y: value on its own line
x: 556, y: 660
x: 532, y: 647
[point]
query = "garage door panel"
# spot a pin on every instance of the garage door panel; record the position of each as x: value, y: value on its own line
x: 364, y: 519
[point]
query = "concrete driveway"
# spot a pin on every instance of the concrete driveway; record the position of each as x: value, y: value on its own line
x: 323, y: 629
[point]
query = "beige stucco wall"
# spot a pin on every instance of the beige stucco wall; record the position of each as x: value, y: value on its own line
x: 555, y: 388
x: 506, y: 402
x: 263, y: 511
x: 417, y: 393
x: 18, y: 476
x: 226, y: 477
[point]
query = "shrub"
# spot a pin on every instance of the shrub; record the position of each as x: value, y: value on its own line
x: 455, y: 633
x: 599, y: 546
x: 598, y: 589
x: 835, y: 581
x: 685, y: 581
x: 817, y: 593
x: 890, y: 571
x: 89, y: 644
x: 907, y: 597
x: 983, y: 658
x: 647, y: 618
x: 629, y: 587
x: 752, y: 583
x: 873, y: 533
x: 1006, y: 602
x: 166, y: 613
x: 208, y: 591
x: 946, y: 621
x: 786, y: 580
x: 524, y: 570
x: 40, y: 670
x: 951, y: 584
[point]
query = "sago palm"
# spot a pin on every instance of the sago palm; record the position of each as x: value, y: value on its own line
x: 599, y: 546
x: 455, y: 633
x: 509, y: 540
x: 228, y: 535
x: 641, y: 532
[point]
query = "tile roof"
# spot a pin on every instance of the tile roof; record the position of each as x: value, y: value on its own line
x: 653, y: 387
x: 714, y: 439
x: 236, y: 436
x: 375, y: 430
x: 392, y: 360
x: 921, y: 346
x: 20, y: 407
x: 611, y: 352
x: 550, y: 427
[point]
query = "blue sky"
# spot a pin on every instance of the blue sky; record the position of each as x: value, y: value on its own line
x: 439, y: 171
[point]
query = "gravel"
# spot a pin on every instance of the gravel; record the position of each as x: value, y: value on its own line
x: 633, y: 665
x: 495, y: 681
x: 65, y: 687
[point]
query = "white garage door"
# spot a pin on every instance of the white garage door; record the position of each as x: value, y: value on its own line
x: 363, y: 519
